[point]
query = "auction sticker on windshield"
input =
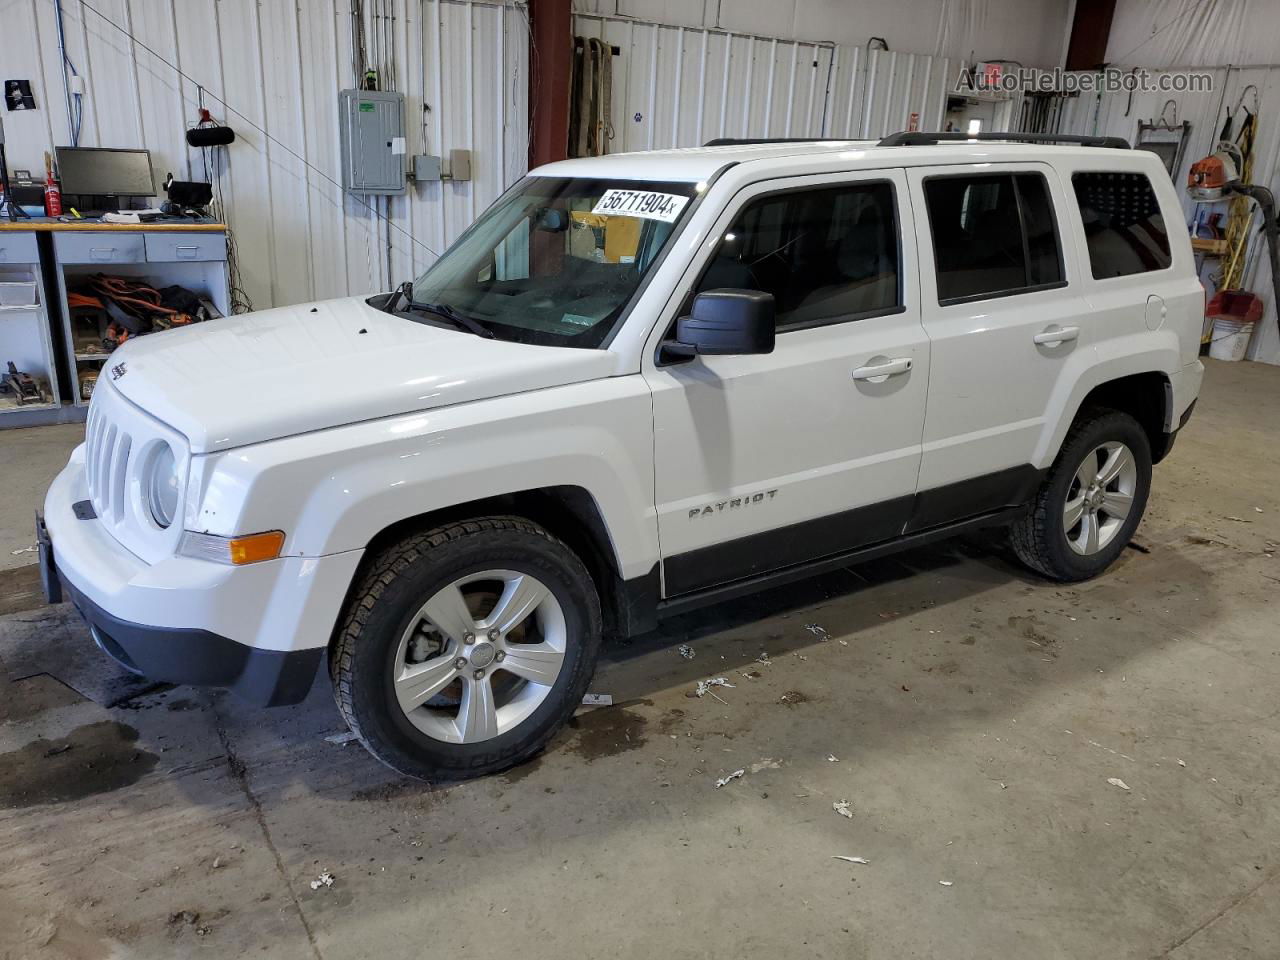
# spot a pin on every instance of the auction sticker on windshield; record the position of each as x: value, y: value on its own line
x: 641, y: 203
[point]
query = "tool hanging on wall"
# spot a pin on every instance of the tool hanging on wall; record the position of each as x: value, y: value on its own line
x: 590, y: 98
x: 208, y: 132
x: 212, y: 138
x: 1165, y: 137
x: 1219, y: 177
x: 1240, y: 212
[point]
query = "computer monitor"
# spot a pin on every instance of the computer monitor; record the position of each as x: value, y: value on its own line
x: 105, y: 172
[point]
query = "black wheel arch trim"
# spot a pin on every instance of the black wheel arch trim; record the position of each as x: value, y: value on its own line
x: 568, y: 511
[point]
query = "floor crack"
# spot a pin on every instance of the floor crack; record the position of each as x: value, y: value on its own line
x: 1218, y: 914
x: 240, y: 775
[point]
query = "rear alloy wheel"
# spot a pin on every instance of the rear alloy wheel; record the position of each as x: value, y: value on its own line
x: 1100, y: 498
x: 1091, y: 502
x: 464, y: 649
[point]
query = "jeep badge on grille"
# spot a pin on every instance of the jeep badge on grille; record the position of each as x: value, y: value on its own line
x: 118, y: 371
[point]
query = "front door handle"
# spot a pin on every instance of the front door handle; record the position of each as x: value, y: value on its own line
x: 1054, y: 335
x: 881, y: 369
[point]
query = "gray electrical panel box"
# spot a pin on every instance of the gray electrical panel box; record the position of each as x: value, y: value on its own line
x: 371, y: 133
x: 426, y: 168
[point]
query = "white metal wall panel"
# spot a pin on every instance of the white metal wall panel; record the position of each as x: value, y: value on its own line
x: 1028, y: 31
x: 678, y: 87
x: 874, y: 93
x: 279, y: 67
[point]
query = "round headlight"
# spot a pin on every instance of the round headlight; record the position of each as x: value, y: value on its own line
x: 162, y: 486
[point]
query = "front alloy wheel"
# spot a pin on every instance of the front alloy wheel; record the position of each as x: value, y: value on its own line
x: 480, y: 674
x: 480, y: 656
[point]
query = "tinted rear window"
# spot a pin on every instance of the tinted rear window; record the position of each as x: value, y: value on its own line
x: 1122, y: 224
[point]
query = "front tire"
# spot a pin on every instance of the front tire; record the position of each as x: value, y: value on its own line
x: 1091, y: 502
x: 465, y: 648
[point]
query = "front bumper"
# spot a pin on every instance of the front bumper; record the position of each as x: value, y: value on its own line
x: 258, y: 630
x: 267, y: 678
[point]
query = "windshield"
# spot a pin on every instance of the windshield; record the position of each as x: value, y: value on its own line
x: 556, y: 260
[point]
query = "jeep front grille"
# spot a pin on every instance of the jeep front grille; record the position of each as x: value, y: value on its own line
x: 107, y: 449
x: 120, y: 441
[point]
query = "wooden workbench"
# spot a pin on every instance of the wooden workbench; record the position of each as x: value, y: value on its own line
x: 54, y: 225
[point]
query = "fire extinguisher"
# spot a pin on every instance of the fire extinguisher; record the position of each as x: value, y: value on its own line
x: 52, y: 194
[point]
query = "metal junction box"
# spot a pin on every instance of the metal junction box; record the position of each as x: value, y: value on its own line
x: 371, y: 132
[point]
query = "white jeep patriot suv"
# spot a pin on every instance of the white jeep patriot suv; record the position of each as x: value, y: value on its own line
x: 636, y: 385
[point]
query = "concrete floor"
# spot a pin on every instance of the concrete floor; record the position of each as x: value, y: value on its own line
x: 974, y: 718
x: 31, y: 459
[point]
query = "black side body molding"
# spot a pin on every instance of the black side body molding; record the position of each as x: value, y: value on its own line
x: 784, y: 546
x: 802, y: 571
x: 969, y: 498
x: 883, y: 527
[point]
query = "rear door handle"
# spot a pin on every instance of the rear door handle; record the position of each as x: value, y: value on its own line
x: 1053, y: 335
x: 883, y: 369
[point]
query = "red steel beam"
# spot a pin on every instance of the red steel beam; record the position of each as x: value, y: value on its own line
x: 549, y: 74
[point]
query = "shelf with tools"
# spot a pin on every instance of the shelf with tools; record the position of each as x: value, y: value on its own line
x: 1209, y: 246
x: 28, y: 370
x: 118, y: 284
x: 70, y: 293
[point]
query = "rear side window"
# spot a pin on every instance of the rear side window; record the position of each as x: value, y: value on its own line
x: 993, y: 235
x: 826, y: 255
x: 1122, y: 224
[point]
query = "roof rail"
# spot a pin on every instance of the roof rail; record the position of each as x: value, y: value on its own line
x: 915, y: 139
x: 749, y: 141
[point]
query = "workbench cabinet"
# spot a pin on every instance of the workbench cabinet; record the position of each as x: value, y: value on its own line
x: 158, y: 255
x: 42, y: 258
x: 26, y: 332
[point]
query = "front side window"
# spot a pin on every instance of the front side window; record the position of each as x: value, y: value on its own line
x: 1122, y: 224
x: 556, y: 260
x: 993, y: 235
x: 826, y: 255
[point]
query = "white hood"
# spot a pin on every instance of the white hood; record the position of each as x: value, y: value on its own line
x: 261, y: 376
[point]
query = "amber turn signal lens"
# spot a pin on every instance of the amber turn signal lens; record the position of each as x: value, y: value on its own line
x: 256, y: 547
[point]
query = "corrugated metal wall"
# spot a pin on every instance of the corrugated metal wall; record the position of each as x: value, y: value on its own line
x: 876, y: 92
x: 681, y: 86
x: 279, y: 67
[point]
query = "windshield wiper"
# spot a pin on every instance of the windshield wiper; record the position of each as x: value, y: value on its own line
x: 444, y: 311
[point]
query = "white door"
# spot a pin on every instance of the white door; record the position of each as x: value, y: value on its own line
x: 771, y: 460
x: 1005, y: 326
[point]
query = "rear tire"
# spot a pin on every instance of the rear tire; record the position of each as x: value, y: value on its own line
x: 465, y: 648
x: 1091, y: 502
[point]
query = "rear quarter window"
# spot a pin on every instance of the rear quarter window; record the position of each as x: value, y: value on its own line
x: 1123, y: 226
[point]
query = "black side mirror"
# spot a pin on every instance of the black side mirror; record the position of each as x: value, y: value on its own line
x: 725, y: 322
